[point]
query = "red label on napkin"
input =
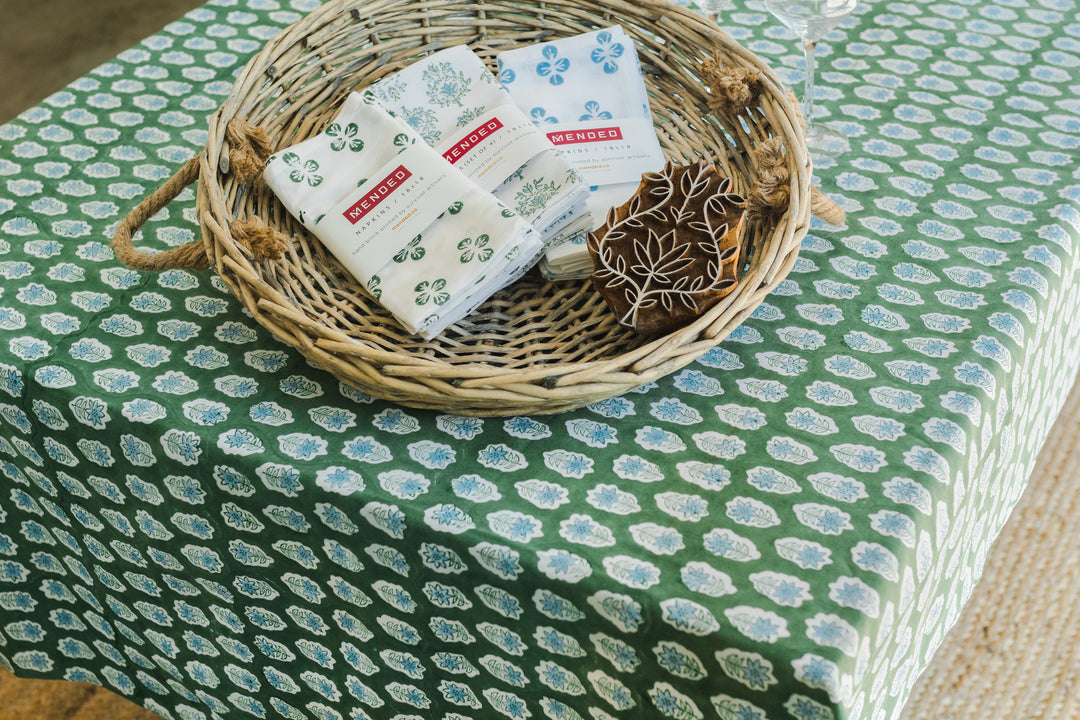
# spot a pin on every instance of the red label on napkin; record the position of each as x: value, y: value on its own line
x: 467, y: 143
x: 377, y: 194
x: 573, y: 137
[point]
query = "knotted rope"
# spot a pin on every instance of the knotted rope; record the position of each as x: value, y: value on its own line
x: 249, y: 149
x: 262, y: 241
x: 734, y: 89
x: 771, y: 191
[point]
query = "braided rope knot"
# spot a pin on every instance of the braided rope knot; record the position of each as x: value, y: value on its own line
x: 262, y: 241
x: 249, y: 149
x: 734, y: 89
x: 771, y: 191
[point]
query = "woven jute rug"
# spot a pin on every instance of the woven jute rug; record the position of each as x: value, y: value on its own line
x: 1013, y: 655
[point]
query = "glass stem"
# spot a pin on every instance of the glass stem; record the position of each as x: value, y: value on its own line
x: 809, y: 49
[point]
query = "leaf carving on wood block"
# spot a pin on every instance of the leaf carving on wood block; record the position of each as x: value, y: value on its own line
x: 669, y: 253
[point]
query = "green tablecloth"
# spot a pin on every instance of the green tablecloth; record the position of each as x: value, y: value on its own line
x: 197, y: 519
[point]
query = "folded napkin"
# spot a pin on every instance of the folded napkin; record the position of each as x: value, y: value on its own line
x: 588, y: 94
x: 455, y: 103
x: 425, y: 241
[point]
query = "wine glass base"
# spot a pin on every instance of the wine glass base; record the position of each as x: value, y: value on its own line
x: 711, y: 8
x: 824, y: 143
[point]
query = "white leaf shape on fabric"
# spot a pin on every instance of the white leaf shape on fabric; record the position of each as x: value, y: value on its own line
x: 672, y: 703
x: 826, y: 519
x: 615, y: 651
x: 757, y: 624
x: 732, y: 708
x: 679, y: 660
x: 852, y: 592
x: 631, y: 571
x: 748, y: 668
x: 782, y: 589
x: 751, y: 512
x: 724, y: 543
x: 563, y: 565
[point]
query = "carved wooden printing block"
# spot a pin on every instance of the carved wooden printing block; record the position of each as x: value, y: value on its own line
x: 669, y: 253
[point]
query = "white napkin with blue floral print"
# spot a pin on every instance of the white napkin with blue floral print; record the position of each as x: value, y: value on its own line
x: 446, y: 97
x: 593, y: 79
x: 340, y: 183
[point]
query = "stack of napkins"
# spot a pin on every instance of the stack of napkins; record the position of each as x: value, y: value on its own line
x: 588, y: 94
x: 429, y: 244
x: 455, y: 103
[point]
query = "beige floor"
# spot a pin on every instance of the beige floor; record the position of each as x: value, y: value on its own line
x: 45, y: 44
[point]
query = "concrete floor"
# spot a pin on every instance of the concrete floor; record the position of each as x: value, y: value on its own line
x: 45, y: 44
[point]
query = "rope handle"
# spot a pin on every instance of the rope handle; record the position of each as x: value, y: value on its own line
x: 826, y: 208
x: 736, y: 90
x: 250, y: 148
x: 188, y: 257
x: 771, y: 191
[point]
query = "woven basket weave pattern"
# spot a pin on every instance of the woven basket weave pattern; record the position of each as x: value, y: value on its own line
x: 535, y: 347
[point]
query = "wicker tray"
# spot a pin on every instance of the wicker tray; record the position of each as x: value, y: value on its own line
x: 536, y: 347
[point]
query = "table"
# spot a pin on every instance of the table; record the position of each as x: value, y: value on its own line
x: 197, y: 519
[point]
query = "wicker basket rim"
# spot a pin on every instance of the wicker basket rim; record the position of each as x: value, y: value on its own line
x: 485, y: 388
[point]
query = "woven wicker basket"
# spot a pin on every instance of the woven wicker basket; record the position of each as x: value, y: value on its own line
x: 536, y: 347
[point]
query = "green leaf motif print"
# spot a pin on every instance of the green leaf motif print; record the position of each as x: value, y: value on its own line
x: 534, y: 196
x: 431, y: 292
x: 445, y: 85
x: 345, y: 137
x: 456, y: 207
x: 411, y: 251
x: 373, y: 287
x: 475, y: 248
x: 303, y: 170
x: 469, y: 115
x: 402, y: 140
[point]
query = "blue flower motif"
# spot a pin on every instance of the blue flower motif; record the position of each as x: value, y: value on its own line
x: 456, y: 694
x: 448, y: 662
x: 593, y: 112
x: 539, y: 115
x: 555, y: 677
x: 666, y: 703
x: 812, y: 556
x: 606, y: 52
x: 552, y: 67
x: 516, y: 708
x: 494, y: 454
x: 872, y: 557
x: 507, y: 76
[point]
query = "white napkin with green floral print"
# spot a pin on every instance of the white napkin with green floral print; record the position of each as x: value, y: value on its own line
x: 592, y: 80
x: 426, y: 242
x: 451, y: 99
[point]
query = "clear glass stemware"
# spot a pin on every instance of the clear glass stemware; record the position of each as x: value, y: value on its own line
x: 712, y: 8
x: 811, y: 20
